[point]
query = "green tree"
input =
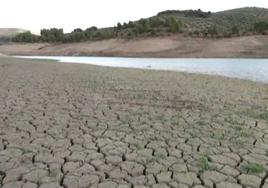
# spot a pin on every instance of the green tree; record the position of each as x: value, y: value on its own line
x: 26, y: 37
x: 143, y: 26
x: 173, y: 25
x: 119, y: 26
x: 261, y: 27
x: 52, y: 35
x: 131, y: 24
x: 78, y: 30
x: 235, y: 30
x: 212, y: 30
x: 92, y: 29
x: 155, y: 22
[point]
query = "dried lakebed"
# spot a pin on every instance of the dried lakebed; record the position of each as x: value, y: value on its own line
x: 73, y: 125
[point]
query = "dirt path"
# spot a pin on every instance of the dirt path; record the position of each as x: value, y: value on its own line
x: 70, y: 125
x: 173, y: 46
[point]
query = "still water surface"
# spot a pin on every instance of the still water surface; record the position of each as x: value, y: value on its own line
x: 250, y: 69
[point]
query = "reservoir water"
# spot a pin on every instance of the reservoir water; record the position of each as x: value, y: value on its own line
x: 249, y: 69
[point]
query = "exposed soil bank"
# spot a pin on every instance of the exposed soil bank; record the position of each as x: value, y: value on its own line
x: 173, y: 46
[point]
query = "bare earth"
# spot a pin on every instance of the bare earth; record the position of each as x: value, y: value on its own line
x: 70, y: 126
x: 173, y: 46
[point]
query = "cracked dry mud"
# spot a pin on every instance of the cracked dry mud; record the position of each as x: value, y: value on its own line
x: 70, y: 125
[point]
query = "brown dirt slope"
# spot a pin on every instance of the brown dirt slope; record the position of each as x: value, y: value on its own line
x: 172, y: 46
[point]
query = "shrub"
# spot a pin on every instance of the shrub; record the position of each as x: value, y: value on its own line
x: 212, y: 30
x: 173, y: 25
x: 261, y: 27
x: 52, y: 35
x: 78, y: 30
x: 204, y: 162
x: 119, y: 26
x: 187, y: 13
x: 26, y: 37
x: 254, y: 168
x: 235, y: 30
x: 92, y: 29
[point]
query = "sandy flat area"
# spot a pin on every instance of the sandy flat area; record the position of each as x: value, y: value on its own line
x: 172, y: 46
x: 71, y: 125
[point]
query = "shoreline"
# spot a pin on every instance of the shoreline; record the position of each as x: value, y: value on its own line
x: 143, y: 57
x: 163, y: 47
x: 185, y: 73
x: 150, y: 67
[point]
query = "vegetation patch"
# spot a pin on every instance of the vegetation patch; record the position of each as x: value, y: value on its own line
x: 257, y: 114
x: 253, y: 168
x: 264, y: 116
x: 194, y: 23
x: 204, y: 161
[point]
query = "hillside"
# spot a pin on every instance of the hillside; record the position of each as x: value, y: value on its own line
x: 168, y: 46
x: 190, y: 33
x: 242, y: 18
x: 9, y: 32
x: 6, y: 34
x: 193, y: 23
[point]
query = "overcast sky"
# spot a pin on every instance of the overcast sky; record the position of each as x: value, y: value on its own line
x: 70, y: 14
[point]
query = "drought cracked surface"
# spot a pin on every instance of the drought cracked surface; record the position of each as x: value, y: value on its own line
x: 70, y: 126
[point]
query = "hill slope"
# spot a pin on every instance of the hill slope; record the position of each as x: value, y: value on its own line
x: 199, y: 23
x: 6, y: 34
x: 224, y: 21
x: 194, y: 23
x: 168, y: 46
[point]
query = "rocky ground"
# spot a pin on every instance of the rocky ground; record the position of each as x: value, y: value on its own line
x: 70, y: 125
